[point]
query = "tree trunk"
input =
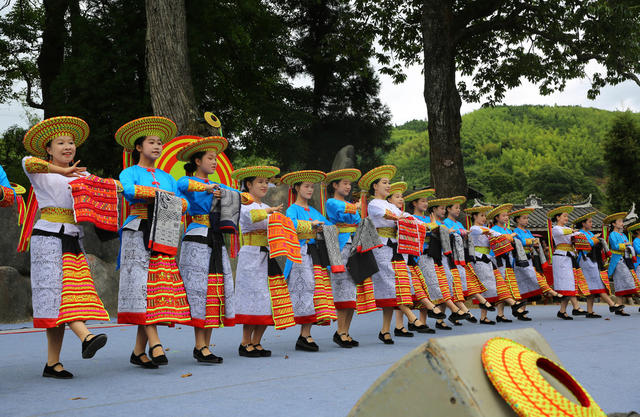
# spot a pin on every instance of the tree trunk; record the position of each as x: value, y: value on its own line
x: 168, y: 68
x: 442, y: 99
x: 51, y: 55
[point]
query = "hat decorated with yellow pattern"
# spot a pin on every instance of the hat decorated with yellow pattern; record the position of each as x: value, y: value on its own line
x: 417, y: 195
x: 522, y: 212
x: 263, y: 171
x: 198, y: 144
x: 502, y: 208
x: 460, y: 199
x: 36, y: 139
x: 398, y: 187
x: 514, y: 371
x: 613, y: 217
x: 440, y: 202
x: 559, y: 210
x: 585, y: 217
x: 631, y: 228
x: 309, y: 175
x: 478, y: 209
x: 351, y: 174
x: 158, y: 126
x: 383, y: 171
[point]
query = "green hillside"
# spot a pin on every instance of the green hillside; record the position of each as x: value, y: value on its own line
x: 513, y: 151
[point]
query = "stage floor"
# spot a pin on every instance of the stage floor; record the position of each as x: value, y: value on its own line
x: 602, y: 354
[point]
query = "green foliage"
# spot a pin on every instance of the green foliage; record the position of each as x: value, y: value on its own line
x: 11, y: 154
x: 513, y: 151
x: 622, y: 155
x: 498, y: 44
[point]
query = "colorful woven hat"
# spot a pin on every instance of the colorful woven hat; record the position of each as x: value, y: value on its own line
x: 398, y: 187
x: 522, y: 212
x: 351, y: 174
x: 631, y: 228
x: 514, y: 371
x: 440, y: 202
x: 308, y: 175
x: 558, y: 210
x: 613, y: 217
x: 158, y: 126
x: 417, y: 195
x: 458, y: 199
x: 265, y: 171
x: 36, y: 139
x: 383, y: 171
x: 211, y: 143
x: 585, y: 217
x: 502, y: 208
x: 478, y: 209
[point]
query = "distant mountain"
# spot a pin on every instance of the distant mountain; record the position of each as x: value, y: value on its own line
x: 510, y: 152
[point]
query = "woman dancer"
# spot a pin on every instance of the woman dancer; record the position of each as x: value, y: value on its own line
x: 63, y: 291
x: 621, y: 269
x: 262, y: 296
x: 588, y: 260
x: 346, y: 218
x: 151, y: 289
x: 567, y: 276
x: 204, y: 262
x: 309, y: 282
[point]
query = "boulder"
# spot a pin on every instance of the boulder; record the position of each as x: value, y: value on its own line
x: 15, y: 296
x: 9, y: 241
x: 106, y: 280
x: 345, y: 158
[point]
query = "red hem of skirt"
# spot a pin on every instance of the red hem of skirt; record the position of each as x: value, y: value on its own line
x: 599, y: 291
x: 140, y: 319
x: 254, y: 320
x: 344, y: 305
x: 627, y: 292
x: 305, y: 319
x: 567, y: 293
x: 45, y: 323
x: 386, y: 302
x: 531, y: 293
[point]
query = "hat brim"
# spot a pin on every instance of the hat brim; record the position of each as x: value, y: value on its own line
x: 478, y: 209
x: 211, y: 143
x: 502, y: 208
x: 613, y: 217
x: 351, y: 174
x: 559, y: 210
x: 313, y: 176
x: 383, y: 171
x: 18, y: 189
x: 398, y: 187
x: 521, y: 212
x: 158, y: 126
x: 584, y: 217
x: 440, y: 202
x: 460, y: 199
x: 255, y: 171
x: 417, y: 195
x: 36, y: 139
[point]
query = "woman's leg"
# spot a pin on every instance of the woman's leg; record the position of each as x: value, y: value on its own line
x: 55, y: 335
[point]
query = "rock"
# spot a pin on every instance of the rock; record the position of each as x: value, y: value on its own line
x: 106, y: 280
x: 345, y: 158
x: 15, y: 296
x: 629, y: 414
x: 9, y: 242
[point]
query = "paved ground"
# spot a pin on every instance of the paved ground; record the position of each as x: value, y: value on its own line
x: 601, y: 354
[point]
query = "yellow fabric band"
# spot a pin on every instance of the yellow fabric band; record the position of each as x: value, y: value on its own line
x: 388, y: 232
x: 57, y: 215
x: 201, y: 219
x: 346, y: 228
x: 482, y: 249
x: 256, y: 238
x: 565, y: 247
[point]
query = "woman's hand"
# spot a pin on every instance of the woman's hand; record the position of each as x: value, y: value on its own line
x: 270, y: 210
x: 71, y: 171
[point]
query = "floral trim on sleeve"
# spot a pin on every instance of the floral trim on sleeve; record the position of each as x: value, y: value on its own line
x: 258, y: 215
x: 350, y: 208
x: 196, y: 186
x: 35, y: 165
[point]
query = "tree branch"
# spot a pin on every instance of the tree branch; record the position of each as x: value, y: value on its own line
x: 27, y: 79
x: 477, y: 10
x: 631, y: 76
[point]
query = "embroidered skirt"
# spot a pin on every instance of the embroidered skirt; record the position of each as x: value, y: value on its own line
x: 567, y: 278
x: 593, y: 277
x: 624, y: 281
x: 151, y: 288
x: 435, y: 278
x: 209, y: 287
x: 61, y: 284
x: 262, y: 296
